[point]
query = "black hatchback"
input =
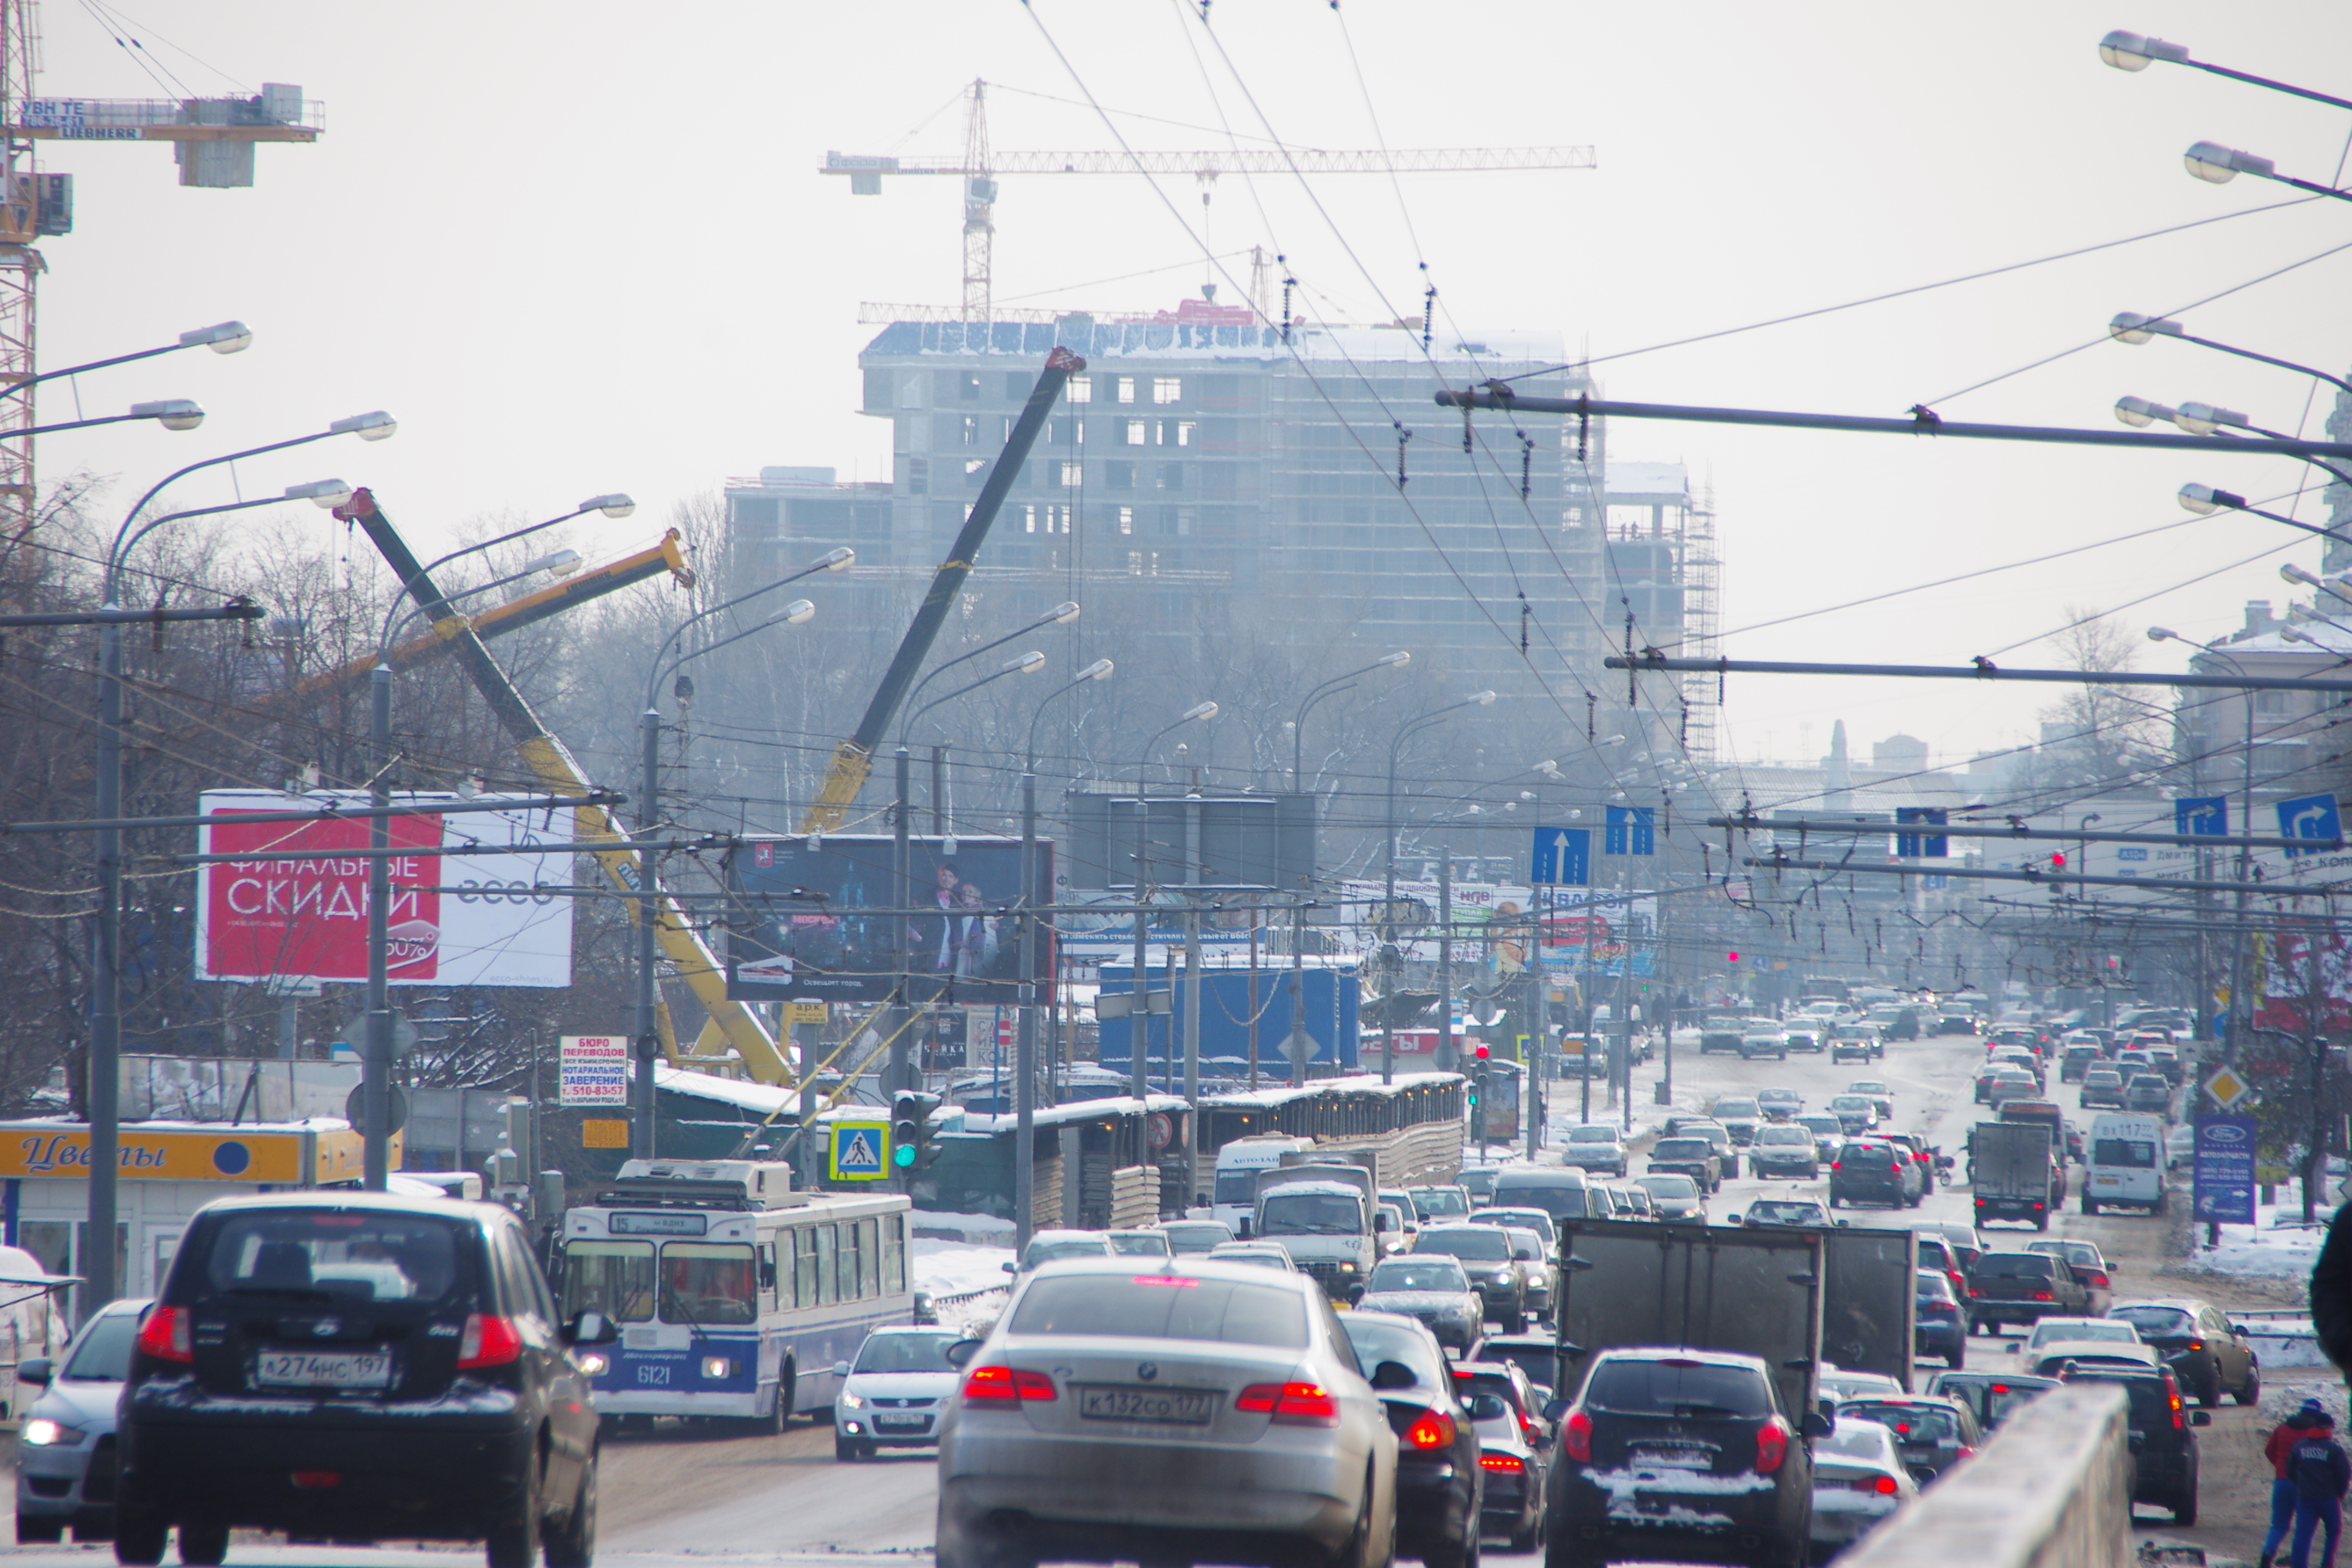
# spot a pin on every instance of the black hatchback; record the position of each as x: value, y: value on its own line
x: 1440, y: 1488
x: 358, y: 1367
x: 1681, y: 1454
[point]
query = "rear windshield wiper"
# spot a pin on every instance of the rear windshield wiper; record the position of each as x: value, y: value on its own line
x: 306, y: 1292
x: 1704, y: 1412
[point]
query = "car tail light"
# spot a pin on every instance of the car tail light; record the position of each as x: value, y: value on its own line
x: 1884, y: 1486
x: 1576, y: 1436
x: 1290, y: 1404
x: 487, y: 1342
x: 2178, y: 1425
x: 2196, y: 1344
x: 1501, y: 1462
x: 1771, y: 1445
x: 1008, y: 1384
x: 2043, y: 1296
x: 1431, y: 1429
x: 165, y: 1335
x: 1837, y: 1164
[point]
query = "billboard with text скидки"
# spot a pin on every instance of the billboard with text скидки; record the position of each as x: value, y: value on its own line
x: 813, y: 922
x: 454, y: 920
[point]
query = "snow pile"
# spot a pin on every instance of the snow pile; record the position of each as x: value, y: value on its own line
x: 2277, y: 1247
x: 2280, y: 1399
x: 954, y: 1267
x: 977, y: 1230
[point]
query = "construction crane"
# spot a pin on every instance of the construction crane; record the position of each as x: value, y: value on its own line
x: 213, y: 139
x: 979, y: 168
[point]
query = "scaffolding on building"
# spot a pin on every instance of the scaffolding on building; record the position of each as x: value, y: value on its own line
x: 1702, y: 579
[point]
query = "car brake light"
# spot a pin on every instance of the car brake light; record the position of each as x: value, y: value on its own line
x: 487, y: 1342
x: 1576, y: 1436
x: 1500, y: 1462
x: 1837, y: 1165
x: 165, y: 1335
x: 1771, y: 1445
x: 2043, y: 1296
x: 1009, y: 1384
x: 1432, y: 1429
x: 1290, y: 1404
x: 2196, y: 1344
x: 1885, y: 1485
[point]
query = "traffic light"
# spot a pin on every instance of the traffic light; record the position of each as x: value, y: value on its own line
x: 910, y: 1130
x: 1478, y: 1077
x: 2058, y: 860
x: 1731, y: 957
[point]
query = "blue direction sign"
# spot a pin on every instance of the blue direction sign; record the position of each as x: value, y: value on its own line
x: 1632, y: 830
x: 859, y: 1150
x: 2225, y: 1169
x: 1918, y: 845
x: 2202, y: 815
x: 2310, y: 816
x: 1562, y: 858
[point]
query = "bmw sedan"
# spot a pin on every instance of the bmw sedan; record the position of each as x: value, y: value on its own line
x: 1203, y: 1412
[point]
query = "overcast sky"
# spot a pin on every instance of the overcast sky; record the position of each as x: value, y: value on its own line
x: 584, y: 247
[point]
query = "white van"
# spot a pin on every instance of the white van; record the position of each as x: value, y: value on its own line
x: 2124, y: 1163
x: 1234, y: 1199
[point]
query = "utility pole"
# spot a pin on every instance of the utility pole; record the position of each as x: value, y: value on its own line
x: 1445, y: 953
x: 375, y: 1065
x: 903, y: 887
x: 1193, y: 1048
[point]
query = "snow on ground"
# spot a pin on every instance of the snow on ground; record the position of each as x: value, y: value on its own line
x: 953, y: 1268
x: 2277, y: 1245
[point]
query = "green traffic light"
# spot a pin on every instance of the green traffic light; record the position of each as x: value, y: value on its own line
x: 903, y: 1155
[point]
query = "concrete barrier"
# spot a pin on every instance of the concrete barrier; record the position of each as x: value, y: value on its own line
x: 2051, y: 1489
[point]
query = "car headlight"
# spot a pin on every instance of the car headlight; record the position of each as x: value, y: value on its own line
x: 1347, y: 1268
x: 715, y: 1366
x: 848, y: 1401
x: 1502, y: 1277
x: 596, y: 1363
x: 40, y: 1434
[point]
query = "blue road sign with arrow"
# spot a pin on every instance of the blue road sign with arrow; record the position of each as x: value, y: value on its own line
x: 1915, y: 846
x: 1562, y: 858
x: 1632, y: 830
x: 2200, y: 815
x: 2310, y: 816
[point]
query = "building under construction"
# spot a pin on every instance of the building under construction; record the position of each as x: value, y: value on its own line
x: 1205, y: 474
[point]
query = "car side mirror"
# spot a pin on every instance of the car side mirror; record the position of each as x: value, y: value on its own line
x: 2200, y: 1418
x: 841, y: 1369
x: 1355, y: 1293
x: 1012, y: 1269
x: 1826, y: 1408
x: 589, y: 1328
x: 1818, y: 1425
x: 1843, y: 1223
x: 960, y: 1352
x: 1393, y: 1374
x: 1553, y: 1409
x: 34, y: 1369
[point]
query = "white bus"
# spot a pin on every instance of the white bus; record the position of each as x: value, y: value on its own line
x: 735, y: 1296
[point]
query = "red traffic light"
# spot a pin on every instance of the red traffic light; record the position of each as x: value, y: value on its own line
x: 1731, y: 958
x: 1480, y: 1053
x: 2058, y: 861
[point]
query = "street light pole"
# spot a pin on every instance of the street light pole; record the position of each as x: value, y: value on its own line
x: 1140, y: 1034
x: 1025, y: 1061
x: 645, y: 1045
x: 2245, y: 814
x: 1405, y: 732
x: 1331, y: 688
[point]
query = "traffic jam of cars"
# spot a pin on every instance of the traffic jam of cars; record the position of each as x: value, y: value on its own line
x: 352, y: 1367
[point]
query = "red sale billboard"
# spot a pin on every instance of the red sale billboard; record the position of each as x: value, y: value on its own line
x: 455, y: 919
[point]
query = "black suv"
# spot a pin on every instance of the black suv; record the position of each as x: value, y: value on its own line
x: 1681, y: 1454
x: 1439, y: 1484
x: 355, y: 1367
x: 2201, y: 1346
x: 2163, y: 1437
x: 1874, y: 1171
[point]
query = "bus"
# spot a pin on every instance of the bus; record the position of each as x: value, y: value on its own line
x: 735, y: 1296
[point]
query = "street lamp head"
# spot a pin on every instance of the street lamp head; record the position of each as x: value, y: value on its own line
x: 839, y: 558
x: 2139, y: 413
x: 1204, y: 711
x: 1396, y: 660
x: 1029, y: 663
x: 2295, y: 573
x: 799, y: 612
x: 2212, y: 162
x: 2204, y: 499
x: 1549, y: 768
x: 222, y: 338
x: 374, y: 426
x: 2199, y: 418
x: 615, y: 505
x: 1061, y: 615
x: 2131, y: 52
x: 1099, y: 670
x: 1480, y: 699
x: 326, y: 494
x: 171, y: 412
x: 560, y: 562
x: 2131, y: 327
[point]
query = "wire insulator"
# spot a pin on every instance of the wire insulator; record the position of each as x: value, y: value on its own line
x: 1428, y: 309
x: 1525, y: 611
x: 1591, y: 703
x: 1526, y: 465
x: 1403, y: 435
x: 1465, y: 430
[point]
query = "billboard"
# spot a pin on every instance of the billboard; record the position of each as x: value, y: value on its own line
x: 593, y: 1069
x: 455, y: 920
x: 1328, y: 998
x: 813, y: 922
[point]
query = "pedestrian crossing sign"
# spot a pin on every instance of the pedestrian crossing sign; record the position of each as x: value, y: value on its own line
x: 860, y: 1151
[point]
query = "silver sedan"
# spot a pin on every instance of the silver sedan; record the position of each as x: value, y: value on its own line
x: 1199, y: 1412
